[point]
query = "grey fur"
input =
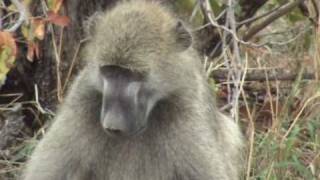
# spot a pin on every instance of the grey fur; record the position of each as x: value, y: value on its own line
x: 186, y: 137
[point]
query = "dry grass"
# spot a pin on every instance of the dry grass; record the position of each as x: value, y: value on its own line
x: 280, y: 119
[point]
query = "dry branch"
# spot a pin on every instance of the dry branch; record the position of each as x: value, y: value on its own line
x: 260, y: 75
x: 210, y: 35
x: 271, y: 18
x: 316, y: 6
x: 23, y: 16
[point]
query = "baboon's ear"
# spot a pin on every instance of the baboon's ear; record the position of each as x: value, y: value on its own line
x: 183, y: 36
x: 89, y: 25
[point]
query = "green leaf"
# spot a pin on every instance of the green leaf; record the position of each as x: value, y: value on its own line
x: 6, y: 59
x: 216, y: 7
x: 296, y: 16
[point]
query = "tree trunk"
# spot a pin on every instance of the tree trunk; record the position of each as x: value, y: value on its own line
x: 46, y: 76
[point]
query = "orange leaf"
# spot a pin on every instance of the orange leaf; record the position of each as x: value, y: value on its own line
x: 30, y: 54
x: 39, y: 28
x: 33, y: 49
x: 58, y: 19
x: 36, y: 50
x: 6, y: 39
x: 57, y: 5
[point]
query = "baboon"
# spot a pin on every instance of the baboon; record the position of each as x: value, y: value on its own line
x: 140, y: 109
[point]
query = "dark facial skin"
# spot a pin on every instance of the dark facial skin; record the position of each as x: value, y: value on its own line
x: 127, y: 101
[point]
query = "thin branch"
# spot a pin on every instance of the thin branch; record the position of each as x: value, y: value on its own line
x: 210, y: 15
x: 75, y: 57
x: 194, y: 11
x: 306, y: 29
x: 297, y: 118
x: 253, y: 19
x: 23, y: 16
x: 236, y: 62
x: 259, y: 75
x: 316, y: 7
x: 283, y: 10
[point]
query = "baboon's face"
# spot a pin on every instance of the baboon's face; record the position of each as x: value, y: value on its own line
x: 129, y: 97
x: 127, y: 101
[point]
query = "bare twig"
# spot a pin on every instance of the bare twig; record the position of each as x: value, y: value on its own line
x: 57, y: 55
x: 75, y: 57
x: 259, y: 75
x: 316, y: 8
x: 252, y: 131
x: 283, y: 10
x: 296, y: 119
x: 23, y: 16
x: 194, y: 11
x: 253, y: 19
x: 37, y: 99
x: 210, y: 15
x: 236, y: 62
x: 282, y: 43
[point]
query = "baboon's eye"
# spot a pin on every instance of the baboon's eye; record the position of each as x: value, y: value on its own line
x: 113, y: 71
x: 116, y: 72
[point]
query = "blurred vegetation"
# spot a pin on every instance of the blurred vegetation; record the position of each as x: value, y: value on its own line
x: 280, y: 117
x: 276, y: 99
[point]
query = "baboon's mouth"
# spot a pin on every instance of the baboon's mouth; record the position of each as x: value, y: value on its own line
x: 119, y: 133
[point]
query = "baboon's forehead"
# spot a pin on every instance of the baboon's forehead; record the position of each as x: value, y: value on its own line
x: 132, y: 35
x: 123, y: 55
x: 133, y: 30
x: 134, y: 26
x: 139, y: 47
